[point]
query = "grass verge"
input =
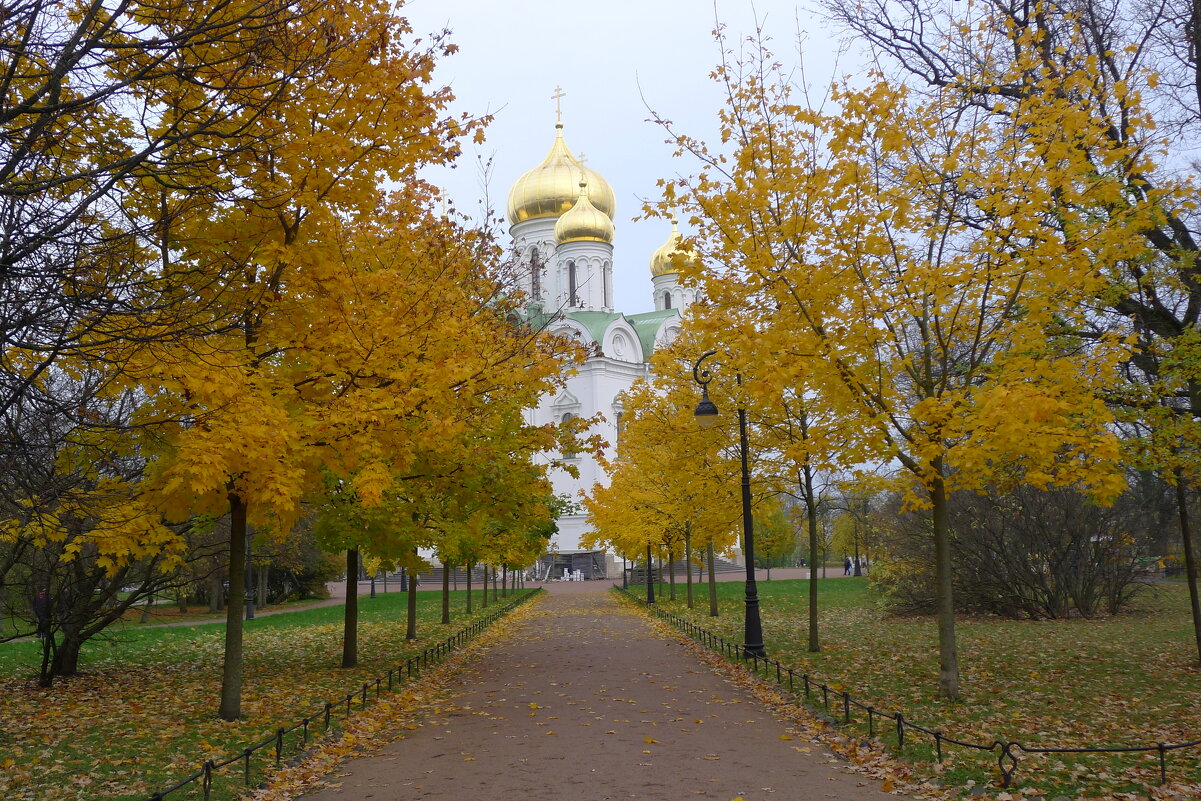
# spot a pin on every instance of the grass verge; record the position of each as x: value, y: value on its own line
x: 142, y: 714
x: 1129, y: 680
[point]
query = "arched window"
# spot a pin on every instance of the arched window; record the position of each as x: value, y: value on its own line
x: 666, y: 300
x: 568, y: 454
x: 621, y: 427
x: 535, y: 274
x: 572, y: 300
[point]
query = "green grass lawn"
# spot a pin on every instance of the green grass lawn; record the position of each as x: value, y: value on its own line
x: 142, y: 714
x: 1130, y: 680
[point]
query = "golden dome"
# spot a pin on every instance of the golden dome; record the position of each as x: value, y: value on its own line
x: 549, y: 190
x: 584, y: 223
x: 661, y: 259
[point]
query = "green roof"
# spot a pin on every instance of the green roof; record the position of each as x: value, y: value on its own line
x: 594, y: 322
x: 647, y: 325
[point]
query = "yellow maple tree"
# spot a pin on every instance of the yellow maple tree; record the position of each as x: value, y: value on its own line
x: 888, y: 264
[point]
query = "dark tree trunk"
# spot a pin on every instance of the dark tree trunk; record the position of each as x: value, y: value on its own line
x: 216, y: 592
x: 712, y: 581
x: 1190, y: 557
x: 411, y: 631
x: 66, y: 655
x: 484, y: 601
x: 264, y: 579
x: 688, y: 559
x: 231, y: 672
x: 446, y: 568
x: 811, y: 522
x: 470, y: 570
x: 350, y: 624
x: 948, y: 652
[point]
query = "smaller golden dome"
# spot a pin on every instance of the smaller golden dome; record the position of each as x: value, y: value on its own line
x: 584, y: 222
x: 661, y: 259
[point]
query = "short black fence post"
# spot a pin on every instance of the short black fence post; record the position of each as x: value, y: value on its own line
x: 328, y: 708
x: 279, y: 745
x: 900, y: 731
x: 246, y: 752
x: 1163, y: 763
x: 871, y: 722
x: 206, y: 782
x: 846, y: 707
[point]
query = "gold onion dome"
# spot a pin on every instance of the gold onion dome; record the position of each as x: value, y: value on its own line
x: 661, y: 259
x: 584, y: 222
x: 549, y: 190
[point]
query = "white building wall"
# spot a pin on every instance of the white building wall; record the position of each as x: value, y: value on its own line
x: 593, y: 389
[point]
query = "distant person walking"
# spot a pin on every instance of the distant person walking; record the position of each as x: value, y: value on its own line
x: 41, y: 611
x: 846, y: 566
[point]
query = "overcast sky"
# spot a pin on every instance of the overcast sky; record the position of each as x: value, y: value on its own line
x: 613, y: 59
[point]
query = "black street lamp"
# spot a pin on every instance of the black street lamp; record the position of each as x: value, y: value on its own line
x: 706, y: 416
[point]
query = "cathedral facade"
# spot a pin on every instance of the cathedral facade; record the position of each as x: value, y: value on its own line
x: 561, y: 216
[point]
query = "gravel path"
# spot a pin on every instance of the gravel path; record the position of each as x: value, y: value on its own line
x: 584, y: 701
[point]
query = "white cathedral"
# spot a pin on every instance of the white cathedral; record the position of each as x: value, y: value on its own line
x: 560, y: 215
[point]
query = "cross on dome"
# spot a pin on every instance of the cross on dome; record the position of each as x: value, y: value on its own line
x: 557, y: 96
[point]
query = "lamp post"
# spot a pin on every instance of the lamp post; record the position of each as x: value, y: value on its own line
x: 706, y: 416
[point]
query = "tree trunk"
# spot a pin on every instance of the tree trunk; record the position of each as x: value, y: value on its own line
x: 231, y: 672
x: 484, y: 603
x: 688, y: 558
x: 948, y: 654
x: 1190, y: 558
x: 411, y: 631
x: 495, y: 596
x: 650, y: 576
x: 446, y: 568
x: 350, y: 625
x: 146, y: 610
x: 66, y: 655
x: 811, y: 521
x: 712, y: 581
x: 470, y: 570
x: 671, y: 573
x: 504, y: 581
x: 216, y: 592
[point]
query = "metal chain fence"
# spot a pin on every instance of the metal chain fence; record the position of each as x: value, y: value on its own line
x: 337, y: 710
x: 799, y: 683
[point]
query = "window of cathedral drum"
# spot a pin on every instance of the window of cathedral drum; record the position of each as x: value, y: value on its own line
x: 535, y: 274
x: 568, y: 454
x: 572, y: 300
x: 666, y: 300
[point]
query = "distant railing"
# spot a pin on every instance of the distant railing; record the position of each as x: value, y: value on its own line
x: 1007, y: 761
x: 332, y: 709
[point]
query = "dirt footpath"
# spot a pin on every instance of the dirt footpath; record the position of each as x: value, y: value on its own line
x: 584, y: 701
